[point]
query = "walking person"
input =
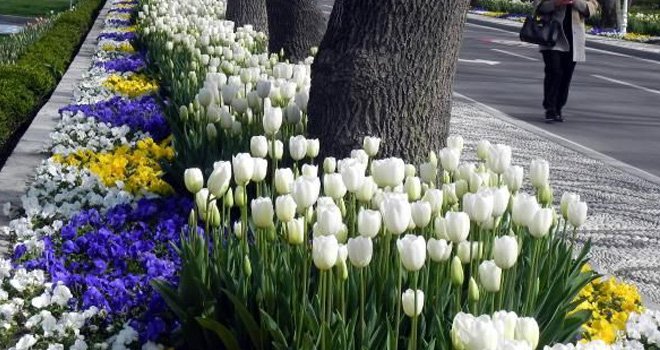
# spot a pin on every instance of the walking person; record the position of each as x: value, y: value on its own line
x: 560, y: 59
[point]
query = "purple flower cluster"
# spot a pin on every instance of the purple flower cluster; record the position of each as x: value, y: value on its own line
x: 143, y: 114
x: 109, y: 260
x: 132, y: 63
x: 118, y: 36
x: 121, y: 10
x: 119, y: 22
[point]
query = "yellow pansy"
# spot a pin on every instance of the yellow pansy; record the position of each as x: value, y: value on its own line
x: 132, y: 86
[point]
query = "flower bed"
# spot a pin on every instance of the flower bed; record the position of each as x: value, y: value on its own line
x: 107, y: 255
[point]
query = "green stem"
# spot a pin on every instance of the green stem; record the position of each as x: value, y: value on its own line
x: 398, y: 307
x: 362, y: 292
x: 413, y: 330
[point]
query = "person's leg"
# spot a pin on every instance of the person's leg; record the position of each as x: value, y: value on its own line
x: 567, y: 66
x: 551, y: 82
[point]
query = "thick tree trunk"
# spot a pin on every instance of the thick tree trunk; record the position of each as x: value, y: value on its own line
x: 608, y: 14
x: 295, y: 27
x: 385, y: 68
x: 252, y: 12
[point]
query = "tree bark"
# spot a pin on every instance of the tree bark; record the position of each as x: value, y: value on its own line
x: 385, y: 68
x: 252, y: 12
x: 295, y: 27
x: 608, y: 14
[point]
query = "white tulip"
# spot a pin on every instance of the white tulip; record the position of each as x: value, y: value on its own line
x: 410, y: 170
x: 313, y: 148
x: 310, y: 170
x: 505, y: 322
x: 295, y: 230
x: 482, y: 206
x: 428, y: 172
x: 371, y: 145
x: 455, y: 142
x: 283, y: 180
x: 297, y: 147
x: 279, y: 149
x: 329, y: 165
x: 449, y: 193
x: 262, y: 212
x: 360, y: 251
x: 523, y: 209
x: 324, y: 252
x: 352, y: 173
x: 540, y: 225
x: 412, y: 251
x: 566, y: 199
x: 263, y: 88
x: 243, y: 166
x: 260, y: 169
x: 577, y: 213
x: 505, y: 251
x: 285, y: 208
x: 361, y: 156
x: 421, y: 213
x: 465, y: 170
x: 449, y: 159
x: 439, y: 249
x: 484, y: 335
x: 413, y: 187
x: 499, y: 158
x: 412, y: 302
x: 539, y: 172
x: 272, y: 120
x: 194, y: 179
x: 220, y: 177
x: 458, y: 226
x: 396, y: 213
x: 490, y: 276
x: 333, y: 186
x: 513, y: 178
x: 440, y: 228
x: 369, y: 222
x: 292, y: 114
x: 467, y: 251
x: 528, y: 330
x: 483, y: 149
x: 306, y: 191
x: 501, y: 197
x: 328, y: 220
x: 367, y: 190
x: 388, y: 172
x: 259, y: 146
x: 435, y: 198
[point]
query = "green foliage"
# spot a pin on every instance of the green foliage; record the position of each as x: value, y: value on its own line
x: 25, y: 84
x: 507, y: 6
x: 32, y: 8
x: 13, y: 46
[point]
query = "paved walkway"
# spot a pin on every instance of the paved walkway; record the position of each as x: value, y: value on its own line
x: 624, y: 215
x: 29, y: 152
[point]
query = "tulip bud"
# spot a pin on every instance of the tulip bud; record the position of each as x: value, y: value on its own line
x: 473, y: 290
x: 247, y: 266
x: 440, y: 228
x: 490, y: 276
x: 360, y: 251
x: 461, y: 188
x: 192, y: 220
x: 457, y: 275
x: 413, y: 187
x: 313, y: 148
x: 193, y: 179
x: 296, y: 231
x: 240, y: 197
x: 566, y: 199
x: 229, y: 198
x: 412, y: 302
x: 329, y: 165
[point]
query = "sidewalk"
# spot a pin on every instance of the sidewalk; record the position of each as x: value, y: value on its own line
x: 28, y: 154
x: 624, y: 219
x: 648, y: 51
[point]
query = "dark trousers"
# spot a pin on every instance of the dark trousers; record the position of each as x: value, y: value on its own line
x: 559, y: 68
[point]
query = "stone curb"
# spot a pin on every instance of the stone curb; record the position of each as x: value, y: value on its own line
x: 30, y: 150
x: 645, y: 51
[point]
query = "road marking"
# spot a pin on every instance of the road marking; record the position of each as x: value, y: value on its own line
x: 490, y: 63
x: 622, y: 55
x: 515, y: 54
x: 653, y: 91
x: 491, y: 28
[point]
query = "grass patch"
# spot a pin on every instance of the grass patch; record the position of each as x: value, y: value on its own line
x: 32, y: 8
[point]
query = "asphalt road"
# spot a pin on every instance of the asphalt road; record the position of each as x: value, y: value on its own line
x: 613, y: 107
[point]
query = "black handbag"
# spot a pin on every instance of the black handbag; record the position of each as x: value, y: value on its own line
x: 541, y: 30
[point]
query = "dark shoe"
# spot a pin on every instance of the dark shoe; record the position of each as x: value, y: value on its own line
x: 550, y: 116
x: 559, y: 118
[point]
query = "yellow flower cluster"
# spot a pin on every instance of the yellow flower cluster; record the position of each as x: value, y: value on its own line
x: 124, y: 46
x: 637, y: 37
x: 132, y: 86
x: 126, y: 29
x: 610, y: 303
x: 135, y: 169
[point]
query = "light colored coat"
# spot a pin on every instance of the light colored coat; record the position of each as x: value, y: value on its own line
x: 581, y: 10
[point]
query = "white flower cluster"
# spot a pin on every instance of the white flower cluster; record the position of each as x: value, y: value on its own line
x: 78, y: 132
x: 503, y: 331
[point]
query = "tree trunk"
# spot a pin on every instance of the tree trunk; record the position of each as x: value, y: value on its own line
x: 252, y: 12
x: 608, y: 14
x: 295, y: 27
x: 385, y: 68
